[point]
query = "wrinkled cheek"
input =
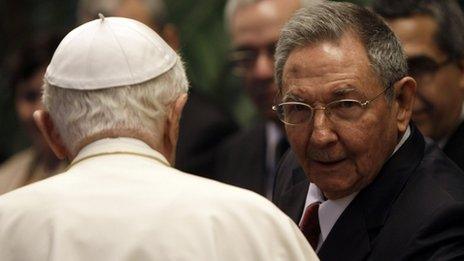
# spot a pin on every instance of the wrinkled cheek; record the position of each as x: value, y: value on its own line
x: 368, y: 165
x: 298, y: 138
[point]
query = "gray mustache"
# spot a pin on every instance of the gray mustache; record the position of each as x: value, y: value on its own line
x: 324, y: 156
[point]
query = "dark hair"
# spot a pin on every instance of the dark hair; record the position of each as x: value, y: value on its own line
x: 447, y: 13
x: 329, y: 21
x: 27, y: 60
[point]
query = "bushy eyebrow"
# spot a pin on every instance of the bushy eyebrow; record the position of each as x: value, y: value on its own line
x: 342, y: 92
x: 292, y: 97
x: 337, y: 94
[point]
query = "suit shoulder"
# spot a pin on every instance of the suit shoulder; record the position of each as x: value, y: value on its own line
x: 441, y: 235
x: 202, y: 109
x: 444, y: 174
x: 253, y: 135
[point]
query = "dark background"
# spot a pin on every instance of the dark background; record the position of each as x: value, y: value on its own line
x: 204, y: 49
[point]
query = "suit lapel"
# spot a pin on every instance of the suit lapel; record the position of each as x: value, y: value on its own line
x: 248, y: 169
x: 348, y: 238
x: 353, y: 235
x: 293, y: 200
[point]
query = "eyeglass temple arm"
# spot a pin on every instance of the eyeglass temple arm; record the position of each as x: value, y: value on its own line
x: 375, y: 97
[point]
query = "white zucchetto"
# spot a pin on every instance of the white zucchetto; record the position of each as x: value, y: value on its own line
x: 109, y: 52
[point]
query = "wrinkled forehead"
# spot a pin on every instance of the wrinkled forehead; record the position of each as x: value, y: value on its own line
x: 346, y: 55
x: 329, y: 69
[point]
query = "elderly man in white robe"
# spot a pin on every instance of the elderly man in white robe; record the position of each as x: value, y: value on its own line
x: 113, y: 94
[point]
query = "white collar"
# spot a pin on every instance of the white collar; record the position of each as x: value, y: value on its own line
x: 330, y: 210
x: 119, y: 145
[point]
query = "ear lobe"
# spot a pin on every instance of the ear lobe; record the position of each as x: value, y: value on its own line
x: 49, y: 132
x: 405, y: 91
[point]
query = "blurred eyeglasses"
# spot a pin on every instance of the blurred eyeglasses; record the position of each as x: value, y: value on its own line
x: 294, y: 113
x: 244, y: 59
x: 422, y: 66
x: 30, y: 96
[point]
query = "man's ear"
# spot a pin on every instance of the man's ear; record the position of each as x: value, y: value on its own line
x: 405, y: 91
x: 171, y: 130
x: 50, y: 133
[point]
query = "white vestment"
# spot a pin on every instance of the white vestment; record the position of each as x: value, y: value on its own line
x: 122, y: 201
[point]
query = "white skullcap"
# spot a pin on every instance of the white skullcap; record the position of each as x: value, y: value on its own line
x: 109, y: 52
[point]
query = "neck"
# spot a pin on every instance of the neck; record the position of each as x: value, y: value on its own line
x: 150, y: 139
x: 48, y: 159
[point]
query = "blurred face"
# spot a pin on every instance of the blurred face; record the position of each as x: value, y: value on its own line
x: 440, y: 81
x: 137, y: 10
x: 255, y: 30
x: 339, y: 156
x: 28, y: 100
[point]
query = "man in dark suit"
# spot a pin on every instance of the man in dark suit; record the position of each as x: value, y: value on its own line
x: 249, y: 158
x: 203, y: 125
x: 369, y: 186
x: 432, y: 35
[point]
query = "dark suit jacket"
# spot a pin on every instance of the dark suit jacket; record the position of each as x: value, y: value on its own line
x: 454, y: 148
x: 242, y: 160
x: 203, y: 127
x: 413, y: 210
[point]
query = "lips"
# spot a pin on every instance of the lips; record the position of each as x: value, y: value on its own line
x: 329, y: 163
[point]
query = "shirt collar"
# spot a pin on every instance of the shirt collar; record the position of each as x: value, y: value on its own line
x: 119, y: 145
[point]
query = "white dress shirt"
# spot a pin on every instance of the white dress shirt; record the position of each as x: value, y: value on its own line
x: 330, y: 210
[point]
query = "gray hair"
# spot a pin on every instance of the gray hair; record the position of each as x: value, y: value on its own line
x: 89, y: 9
x: 233, y: 5
x: 139, y: 108
x: 329, y: 21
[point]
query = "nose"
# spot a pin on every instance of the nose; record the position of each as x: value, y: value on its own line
x: 322, y: 134
x: 264, y: 66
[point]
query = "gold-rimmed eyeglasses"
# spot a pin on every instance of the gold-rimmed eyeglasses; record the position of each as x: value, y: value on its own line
x: 294, y: 113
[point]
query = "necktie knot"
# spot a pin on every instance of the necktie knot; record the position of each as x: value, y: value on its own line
x: 310, y: 224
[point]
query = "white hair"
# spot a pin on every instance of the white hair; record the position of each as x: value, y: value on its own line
x: 139, y: 108
x: 89, y: 9
x: 233, y: 5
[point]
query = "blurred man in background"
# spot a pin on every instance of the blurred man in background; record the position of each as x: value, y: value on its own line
x: 113, y: 95
x: 249, y: 158
x: 432, y: 35
x: 38, y: 161
x: 203, y: 125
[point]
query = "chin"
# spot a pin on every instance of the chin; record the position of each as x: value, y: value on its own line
x: 334, y: 188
